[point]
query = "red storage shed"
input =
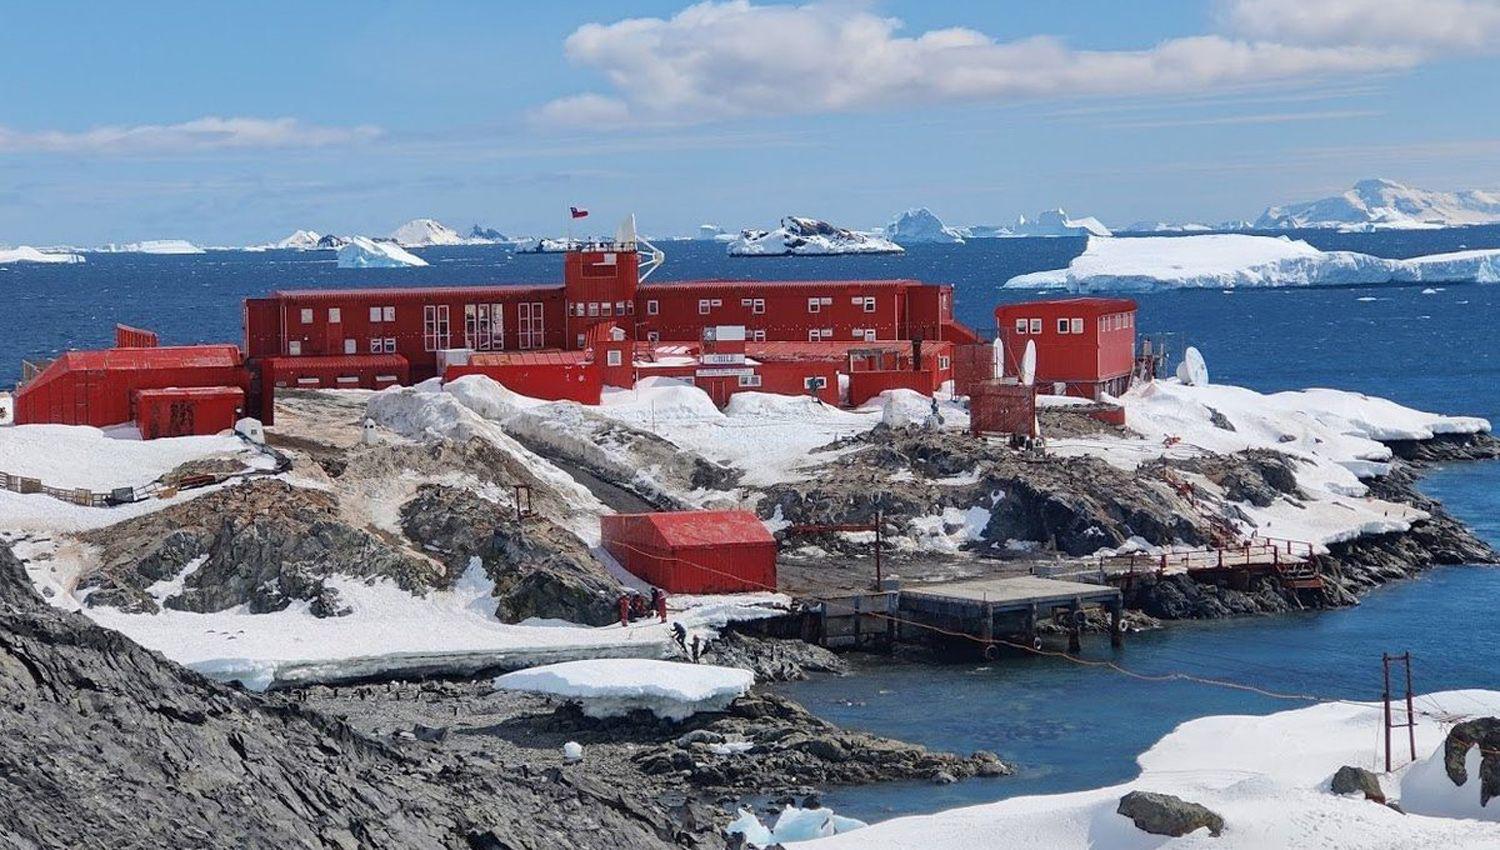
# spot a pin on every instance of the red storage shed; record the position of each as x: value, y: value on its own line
x: 694, y: 551
x: 998, y: 407
x: 98, y: 387
x: 550, y: 375
x: 1084, y: 346
x: 187, y: 411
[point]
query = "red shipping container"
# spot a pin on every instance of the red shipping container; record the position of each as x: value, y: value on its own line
x: 128, y: 337
x: 1002, y: 408
x: 1084, y: 346
x: 694, y: 551
x: 98, y: 387
x: 972, y: 364
x: 187, y: 411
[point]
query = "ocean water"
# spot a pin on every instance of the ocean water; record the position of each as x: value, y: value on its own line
x: 1067, y: 727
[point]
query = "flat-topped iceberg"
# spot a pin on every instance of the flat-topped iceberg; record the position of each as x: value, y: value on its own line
x: 364, y: 253
x: 799, y: 236
x: 920, y: 225
x: 155, y: 246
x: 614, y: 687
x: 28, y: 254
x: 1047, y: 223
x: 1378, y: 204
x: 1230, y: 260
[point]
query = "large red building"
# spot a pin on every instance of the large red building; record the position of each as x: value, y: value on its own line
x: 299, y: 330
x: 1084, y: 346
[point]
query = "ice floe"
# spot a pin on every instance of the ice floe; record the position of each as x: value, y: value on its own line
x: 28, y: 254
x: 614, y: 687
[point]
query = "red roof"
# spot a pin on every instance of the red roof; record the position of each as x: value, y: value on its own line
x: 192, y: 392
x: 740, y: 285
x: 377, y: 293
x: 338, y: 361
x: 698, y: 529
x: 1087, y: 304
x: 169, y: 357
x: 549, y: 357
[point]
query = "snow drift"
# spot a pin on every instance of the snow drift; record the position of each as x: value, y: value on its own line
x: 364, y: 253
x: 615, y: 687
x: 1230, y: 260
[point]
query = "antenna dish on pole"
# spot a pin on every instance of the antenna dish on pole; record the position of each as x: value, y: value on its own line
x: 1028, y: 364
x: 1193, y: 371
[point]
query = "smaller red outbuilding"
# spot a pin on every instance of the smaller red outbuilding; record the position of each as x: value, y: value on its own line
x: 694, y: 551
x: 1084, y: 346
x: 187, y: 411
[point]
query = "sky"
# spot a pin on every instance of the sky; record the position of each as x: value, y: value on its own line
x: 232, y: 124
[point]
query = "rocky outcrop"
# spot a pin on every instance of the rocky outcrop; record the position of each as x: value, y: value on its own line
x: 1164, y: 814
x: 109, y: 745
x: 765, y: 741
x: 1483, y: 733
x: 263, y: 544
x: 1357, y: 780
x: 772, y: 659
x: 539, y: 568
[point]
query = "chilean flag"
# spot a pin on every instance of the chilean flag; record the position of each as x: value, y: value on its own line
x: 578, y: 212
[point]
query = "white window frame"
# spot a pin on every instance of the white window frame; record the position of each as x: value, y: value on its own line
x: 593, y: 309
x: 826, y: 300
x: 437, y: 329
x: 607, y: 309
x: 531, y: 324
x: 351, y: 346
x: 374, y: 315
x: 653, y: 336
x: 869, y: 303
x: 376, y: 345
x: 389, y: 313
x: 294, y: 348
x: 307, y: 315
x: 390, y: 345
x: 751, y: 380
x: 944, y: 363
x: 813, y: 335
x: 652, y: 307
x: 814, y: 305
x: 614, y: 357
x: 1063, y: 325
x: 1036, y: 326
x: 335, y: 316
x: 1022, y: 325
x: 1077, y: 325
x: 758, y: 336
x: 705, y: 306
x: 758, y: 307
x: 869, y: 334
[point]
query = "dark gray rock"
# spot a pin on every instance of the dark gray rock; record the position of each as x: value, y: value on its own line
x: 108, y: 745
x: 1164, y: 814
x: 1485, y: 734
x: 539, y: 568
x: 1357, y: 780
x: 772, y: 659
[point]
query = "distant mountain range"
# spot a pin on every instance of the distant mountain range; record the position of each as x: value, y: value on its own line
x: 1386, y: 204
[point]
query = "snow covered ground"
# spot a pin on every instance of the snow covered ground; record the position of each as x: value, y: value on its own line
x: 1335, y: 433
x: 1229, y: 260
x: 1266, y: 776
x: 612, y: 687
x: 363, y: 253
x: 28, y: 254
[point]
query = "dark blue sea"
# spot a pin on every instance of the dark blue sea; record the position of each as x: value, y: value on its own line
x: 1068, y: 728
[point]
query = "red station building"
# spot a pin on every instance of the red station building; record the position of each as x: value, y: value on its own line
x: 694, y: 551
x: 1084, y: 346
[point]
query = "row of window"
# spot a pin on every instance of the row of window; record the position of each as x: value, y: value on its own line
x: 336, y: 315
x: 594, y: 309
x: 1064, y: 326
x: 1116, y: 322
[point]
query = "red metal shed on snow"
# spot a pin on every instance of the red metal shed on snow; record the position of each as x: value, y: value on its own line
x: 187, y: 411
x: 98, y: 387
x: 1084, y: 346
x: 694, y: 551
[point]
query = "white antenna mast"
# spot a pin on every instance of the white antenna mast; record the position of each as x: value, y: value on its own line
x: 627, y: 238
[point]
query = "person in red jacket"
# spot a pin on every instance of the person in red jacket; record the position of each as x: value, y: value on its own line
x: 659, y: 597
x: 624, y: 604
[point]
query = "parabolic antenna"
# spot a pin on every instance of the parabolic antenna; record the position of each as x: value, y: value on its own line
x: 1028, y: 363
x: 1193, y: 371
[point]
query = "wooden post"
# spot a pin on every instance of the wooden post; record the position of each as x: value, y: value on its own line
x: 1116, y: 624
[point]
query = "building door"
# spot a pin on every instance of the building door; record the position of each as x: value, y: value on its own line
x: 436, y: 332
x: 484, y: 327
x: 533, y: 332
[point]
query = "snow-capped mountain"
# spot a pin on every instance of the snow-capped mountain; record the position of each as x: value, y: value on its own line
x: 301, y: 240
x: 420, y: 232
x: 1386, y: 204
x: 802, y: 236
x: 486, y: 234
x: 920, y: 225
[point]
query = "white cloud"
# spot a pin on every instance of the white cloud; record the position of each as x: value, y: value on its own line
x: 201, y: 134
x: 735, y: 58
x: 1424, y: 24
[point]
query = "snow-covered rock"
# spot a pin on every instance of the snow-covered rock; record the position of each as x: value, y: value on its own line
x: 362, y: 253
x: 28, y: 254
x: 301, y: 240
x: 542, y: 245
x: 920, y: 225
x: 154, y: 246
x: 801, y: 236
x: 1386, y: 204
x: 1267, y: 776
x: 613, y: 687
x: 1225, y: 261
x: 421, y: 232
x: 792, y: 824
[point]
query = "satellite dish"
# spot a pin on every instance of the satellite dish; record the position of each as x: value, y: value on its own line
x: 625, y: 233
x: 1192, y: 371
x: 1028, y: 363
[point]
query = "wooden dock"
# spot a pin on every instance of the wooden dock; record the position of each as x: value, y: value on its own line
x: 994, y: 609
x: 1291, y: 562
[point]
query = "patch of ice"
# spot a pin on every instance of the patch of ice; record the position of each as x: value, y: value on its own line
x: 615, y: 687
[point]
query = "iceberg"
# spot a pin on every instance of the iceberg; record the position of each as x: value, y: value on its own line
x: 1230, y: 260
x: 154, y: 246
x: 301, y: 240
x: 800, y: 236
x: 1379, y: 204
x: 364, y: 253
x: 28, y: 254
x: 1048, y: 223
x: 920, y: 225
x: 1168, y: 227
x: 421, y: 232
x: 614, y: 687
